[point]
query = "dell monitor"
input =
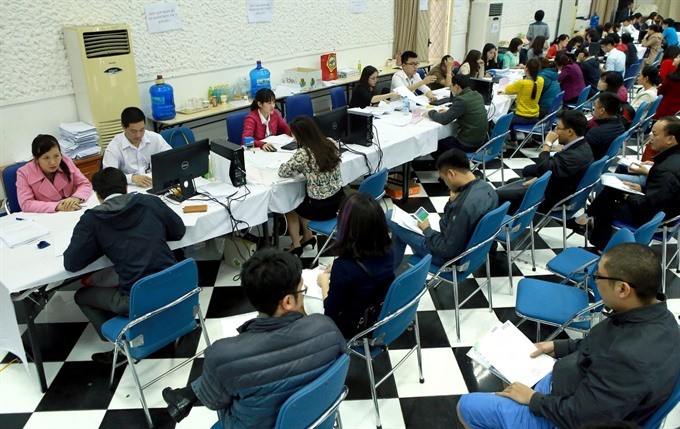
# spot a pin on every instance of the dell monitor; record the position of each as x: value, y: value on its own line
x: 484, y: 87
x: 333, y: 123
x: 179, y: 166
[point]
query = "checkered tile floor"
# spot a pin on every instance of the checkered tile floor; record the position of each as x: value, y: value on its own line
x: 78, y: 396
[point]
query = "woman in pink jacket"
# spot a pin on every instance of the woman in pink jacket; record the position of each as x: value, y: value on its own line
x: 50, y: 182
x: 263, y: 120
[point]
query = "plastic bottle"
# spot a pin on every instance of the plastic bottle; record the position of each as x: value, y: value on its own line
x: 405, y: 106
x: 162, y: 100
x: 248, y: 142
x: 259, y: 78
x: 594, y: 21
x: 359, y: 66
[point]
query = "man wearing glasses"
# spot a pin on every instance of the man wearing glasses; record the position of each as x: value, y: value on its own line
x: 607, y: 124
x: 248, y: 377
x: 624, y: 369
x: 409, y: 77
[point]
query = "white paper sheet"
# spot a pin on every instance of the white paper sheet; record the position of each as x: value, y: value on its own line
x: 230, y: 324
x: 22, y: 231
x: 628, y: 160
x: 309, y: 280
x: 279, y: 140
x: 405, y: 220
x: 611, y: 181
x: 405, y: 92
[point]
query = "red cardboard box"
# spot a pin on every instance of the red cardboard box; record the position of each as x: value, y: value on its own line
x: 329, y: 66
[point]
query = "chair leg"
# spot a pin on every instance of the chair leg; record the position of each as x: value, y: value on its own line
x: 502, y: 173
x: 484, y: 167
x: 455, y: 303
x: 488, y: 281
x: 371, y: 377
x: 131, y: 364
x: 113, y: 367
x: 507, y: 251
x: 533, y: 256
x: 201, y: 321
x: 323, y: 248
x: 664, y: 255
x: 418, y: 352
x: 538, y: 332
x: 564, y: 226
x: 338, y: 420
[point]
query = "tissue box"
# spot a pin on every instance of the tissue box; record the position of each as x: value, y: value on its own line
x: 305, y: 78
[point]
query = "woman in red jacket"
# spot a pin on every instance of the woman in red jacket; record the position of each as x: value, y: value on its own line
x: 263, y: 120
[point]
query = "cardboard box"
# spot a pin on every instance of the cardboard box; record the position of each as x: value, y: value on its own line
x: 305, y: 78
x: 329, y: 66
x: 395, y: 190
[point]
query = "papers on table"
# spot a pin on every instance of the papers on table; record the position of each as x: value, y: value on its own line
x: 22, y: 232
x: 218, y: 189
x: 611, y: 181
x: 280, y: 140
x: 628, y: 160
x: 405, y: 220
x: 505, y: 351
x: 405, y: 92
x: 442, y: 93
x: 78, y: 140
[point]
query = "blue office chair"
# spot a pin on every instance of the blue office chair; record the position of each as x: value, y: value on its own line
x: 581, y: 100
x: 475, y: 254
x: 542, y: 126
x: 656, y: 420
x: 338, y: 98
x: 613, y: 150
x: 636, y: 125
x: 398, y: 313
x: 235, y: 127
x: 515, y: 225
x: 178, y: 136
x: 9, y: 181
x: 646, y: 125
x: 296, y: 105
x: 628, y: 84
x: 657, y: 60
x: 373, y: 185
x: 163, y: 308
x: 633, y: 70
x: 492, y: 149
x: 421, y: 73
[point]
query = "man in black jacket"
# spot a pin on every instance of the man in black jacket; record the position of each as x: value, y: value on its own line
x: 624, y: 369
x: 608, y: 125
x: 590, y: 67
x: 661, y: 189
x: 132, y: 230
x: 568, y: 164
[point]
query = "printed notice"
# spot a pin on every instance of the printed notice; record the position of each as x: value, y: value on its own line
x: 357, y: 6
x: 423, y: 5
x: 260, y: 10
x: 162, y: 17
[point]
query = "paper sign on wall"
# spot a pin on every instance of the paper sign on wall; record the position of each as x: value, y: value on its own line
x: 423, y: 5
x: 162, y: 17
x: 260, y: 10
x: 495, y: 26
x: 357, y: 6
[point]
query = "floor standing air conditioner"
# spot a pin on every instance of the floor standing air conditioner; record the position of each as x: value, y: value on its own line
x: 103, y: 74
x: 485, y: 24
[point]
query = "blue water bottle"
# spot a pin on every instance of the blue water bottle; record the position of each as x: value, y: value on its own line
x: 162, y: 100
x: 259, y: 78
x: 594, y: 21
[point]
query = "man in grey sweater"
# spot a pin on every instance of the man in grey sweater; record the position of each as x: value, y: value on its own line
x: 538, y: 28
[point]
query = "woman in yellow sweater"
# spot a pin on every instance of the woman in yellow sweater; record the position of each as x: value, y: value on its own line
x: 528, y: 92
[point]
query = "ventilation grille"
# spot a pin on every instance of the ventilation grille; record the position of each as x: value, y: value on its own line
x: 107, y: 130
x: 106, y: 43
x: 495, y: 9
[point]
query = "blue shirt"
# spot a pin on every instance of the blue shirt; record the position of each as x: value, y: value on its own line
x: 671, y: 36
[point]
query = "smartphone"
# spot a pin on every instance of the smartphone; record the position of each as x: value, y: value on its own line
x: 421, y: 215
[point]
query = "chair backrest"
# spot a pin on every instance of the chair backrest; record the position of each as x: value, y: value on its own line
x: 421, y: 73
x: 621, y: 236
x: 9, y: 181
x: 178, y: 136
x: 297, y: 105
x: 632, y: 70
x: 655, y: 420
x: 502, y: 125
x: 338, y: 98
x: 556, y: 104
x: 532, y: 197
x: 582, y: 98
x: 639, y: 115
x: 487, y: 227
x: 403, y: 290
x: 307, y: 405
x: 494, y: 147
x: 654, y: 105
x: 629, y: 82
x: 155, y: 291
x: 614, y: 148
x: 235, y: 126
x: 588, y: 180
x: 374, y: 185
x: 644, y: 234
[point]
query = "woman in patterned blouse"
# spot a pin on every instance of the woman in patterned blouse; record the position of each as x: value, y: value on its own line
x: 318, y: 159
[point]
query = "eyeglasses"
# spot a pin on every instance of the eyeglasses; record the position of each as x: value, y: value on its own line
x: 560, y: 129
x: 413, y: 64
x: 302, y: 291
x: 597, y: 277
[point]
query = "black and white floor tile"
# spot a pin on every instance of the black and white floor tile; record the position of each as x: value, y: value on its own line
x: 79, y: 398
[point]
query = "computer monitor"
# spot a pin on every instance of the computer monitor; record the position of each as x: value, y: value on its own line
x: 333, y: 123
x: 484, y: 87
x: 179, y: 166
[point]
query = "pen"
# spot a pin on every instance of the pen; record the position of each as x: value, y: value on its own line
x: 20, y: 218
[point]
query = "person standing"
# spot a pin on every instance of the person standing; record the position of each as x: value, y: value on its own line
x: 538, y: 28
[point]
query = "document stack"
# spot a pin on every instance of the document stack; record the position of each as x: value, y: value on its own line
x: 78, y: 140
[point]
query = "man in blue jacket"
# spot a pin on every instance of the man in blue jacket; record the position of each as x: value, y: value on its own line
x: 132, y: 230
x: 248, y: 377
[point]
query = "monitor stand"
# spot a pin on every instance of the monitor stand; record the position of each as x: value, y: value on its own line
x: 186, y: 190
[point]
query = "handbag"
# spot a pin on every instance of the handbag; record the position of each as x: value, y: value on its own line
x: 372, y: 312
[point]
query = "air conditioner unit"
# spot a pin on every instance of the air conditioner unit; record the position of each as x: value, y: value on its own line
x: 103, y: 74
x: 485, y: 24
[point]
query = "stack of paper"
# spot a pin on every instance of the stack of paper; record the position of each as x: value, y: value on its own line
x: 78, y: 140
x: 611, y: 181
x: 629, y: 160
x: 22, y: 232
x: 405, y: 220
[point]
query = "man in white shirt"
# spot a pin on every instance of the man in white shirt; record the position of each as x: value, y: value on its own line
x: 131, y: 150
x: 616, y: 60
x: 409, y: 77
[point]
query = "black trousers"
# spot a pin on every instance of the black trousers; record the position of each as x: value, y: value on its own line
x: 100, y: 304
x: 513, y: 192
x: 608, y: 207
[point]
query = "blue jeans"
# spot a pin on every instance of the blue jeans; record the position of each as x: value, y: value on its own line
x: 401, y: 237
x: 488, y: 410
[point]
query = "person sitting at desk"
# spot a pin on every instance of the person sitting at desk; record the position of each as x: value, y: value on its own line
x: 318, y: 159
x: 551, y: 87
x: 528, y: 92
x: 669, y: 34
x: 51, y: 182
x: 631, y: 50
x: 490, y: 57
x: 131, y: 150
x: 442, y: 73
x: 669, y: 61
x: 264, y: 120
x: 558, y: 44
x: 652, y: 41
x: 470, y: 199
x: 132, y: 230
x: 468, y: 112
x: 364, y: 95
x: 625, y: 369
x: 649, y: 79
x: 408, y: 76
x: 590, y: 68
x: 473, y: 65
x: 616, y: 60
x: 607, y: 124
x: 247, y: 378
x: 362, y: 273
x: 613, y: 82
x: 537, y: 48
x: 570, y: 78
x: 511, y: 58
x: 573, y: 44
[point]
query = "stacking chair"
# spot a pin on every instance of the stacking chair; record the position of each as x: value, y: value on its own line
x: 338, y: 98
x: 636, y: 126
x: 421, y: 73
x: 296, y: 105
x: 235, y: 127
x: 476, y: 253
x: 646, y: 124
x: 613, y: 150
x: 178, y: 136
x: 163, y: 308
x: 633, y: 70
x: 628, y: 84
x: 657, y: 60
x: 492, y: 149
x: 374, y: 185
x: 9, y: 181
x: 515, y: 225
x: 655, y: 421
x: 398, y: 313
x: 542, y: 126
x: 581, y: 101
